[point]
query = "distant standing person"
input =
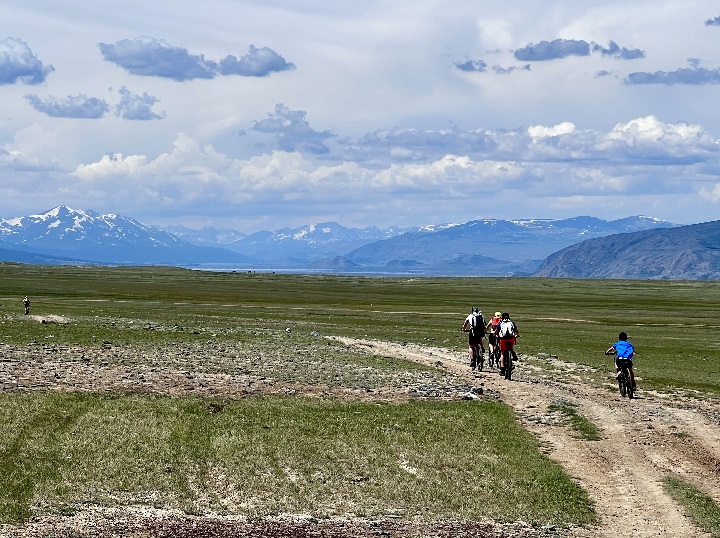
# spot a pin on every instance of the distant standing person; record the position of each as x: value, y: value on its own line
x: 26, y: 304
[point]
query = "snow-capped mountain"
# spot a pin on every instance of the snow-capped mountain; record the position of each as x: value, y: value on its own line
x: 480, y: 247
x: 311, y: 242
x: 89, y: 236
x: 517, y: 241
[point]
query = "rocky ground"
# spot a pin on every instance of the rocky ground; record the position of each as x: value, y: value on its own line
x: 642, y: 440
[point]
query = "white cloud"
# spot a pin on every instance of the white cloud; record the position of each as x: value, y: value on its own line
x: 375, y: 121
x: 114, y: 165
x: 537, y: 132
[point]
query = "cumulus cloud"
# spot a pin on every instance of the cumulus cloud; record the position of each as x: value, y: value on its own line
x: 111, y: 165
x: 477, y: 66
x: 604, y: 73
x: 713, y: 22
x: 507, y: 70
x: 693, y: 75
x: 19, y: 63
x: 78, y: 106
x: 559, y: 160
x: 563, y: 48
x: 133, y: 106
x: 258, y: 62
x: 293, y: 132
x: 552, y: 50
x: 538, y: 132
x: 615, y: 51
x: 147, y: 56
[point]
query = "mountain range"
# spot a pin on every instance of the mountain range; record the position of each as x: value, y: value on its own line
x: 480, y: 247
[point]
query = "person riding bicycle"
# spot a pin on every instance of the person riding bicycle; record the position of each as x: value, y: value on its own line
x: 491, y: 329
x: 474, y: 325
x: 623, y: 351
x: 507, y: 332
x: 26, y: 305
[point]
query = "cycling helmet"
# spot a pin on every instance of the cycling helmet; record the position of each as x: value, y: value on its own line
x: 505, y: 315
x: 475, y: 310
x: 498, y: 314
x: 622, y: 336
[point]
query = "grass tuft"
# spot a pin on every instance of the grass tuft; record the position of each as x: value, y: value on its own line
x: 581, y: 424
x: 704, y: 512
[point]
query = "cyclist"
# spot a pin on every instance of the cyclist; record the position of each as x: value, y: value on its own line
x: 26, y: 304
x: 507, y: 332
x: 491, y: 329
x: 474, y: 325
x: 623, y: 351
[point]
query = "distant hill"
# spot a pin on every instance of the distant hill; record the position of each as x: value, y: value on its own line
x: 18, y: 256
x: 682, y: 253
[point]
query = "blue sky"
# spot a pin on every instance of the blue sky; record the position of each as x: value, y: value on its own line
x: 261, y: 115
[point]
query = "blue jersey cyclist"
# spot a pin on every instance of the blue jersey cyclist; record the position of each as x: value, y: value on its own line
x: 623, y: 351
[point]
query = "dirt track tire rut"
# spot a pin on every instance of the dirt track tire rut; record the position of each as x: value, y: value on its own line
x: 642, y: 441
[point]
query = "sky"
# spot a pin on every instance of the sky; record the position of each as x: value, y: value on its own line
x: 260, y: 115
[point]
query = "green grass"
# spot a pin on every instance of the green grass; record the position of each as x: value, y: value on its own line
x: 704, y: 512
x: 262, y: 456
x: 268, y: 456
x: 674, y: 325
x: 581, y: 424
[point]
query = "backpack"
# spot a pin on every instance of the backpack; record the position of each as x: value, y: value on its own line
x: 507, y: 329
x: 477, y: 324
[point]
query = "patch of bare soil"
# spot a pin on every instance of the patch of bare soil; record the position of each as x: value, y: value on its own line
x: 643, y: 440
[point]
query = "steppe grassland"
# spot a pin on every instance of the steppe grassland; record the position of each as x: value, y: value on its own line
x: 263, y: 456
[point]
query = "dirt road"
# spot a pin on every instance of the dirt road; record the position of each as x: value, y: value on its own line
x: 643, y: 440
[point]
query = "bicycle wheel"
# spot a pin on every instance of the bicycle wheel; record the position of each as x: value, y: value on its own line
x: 630, y: 392
x: 622, y: 385
x: 508, y: 364
x: 480, y: 359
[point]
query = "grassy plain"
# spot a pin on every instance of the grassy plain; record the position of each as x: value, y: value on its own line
x: 673, y: 324
x: 269, y: 455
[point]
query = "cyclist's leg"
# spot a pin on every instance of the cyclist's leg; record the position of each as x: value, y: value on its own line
x: 471, y: 350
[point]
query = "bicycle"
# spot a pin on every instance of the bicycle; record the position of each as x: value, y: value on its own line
x: 478, y: 358
x: 623, y: 377
x: 494, y: 357
x: 624, y: 381
x: 508, y: 367
x: 493, y: 351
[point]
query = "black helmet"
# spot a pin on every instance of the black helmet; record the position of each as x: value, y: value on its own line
x: 505, y: 315
x: 622, y: 336
x: 475, y: 310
